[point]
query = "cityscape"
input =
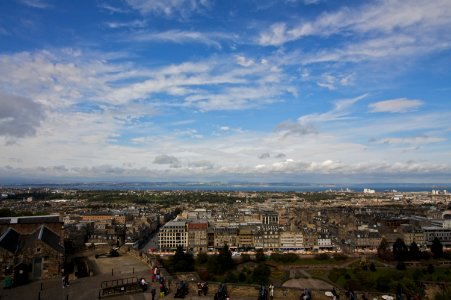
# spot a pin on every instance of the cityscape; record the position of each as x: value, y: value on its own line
x: 215, y: 149
x: 296, y: 236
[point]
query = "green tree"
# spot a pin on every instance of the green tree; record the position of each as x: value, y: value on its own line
x: 444, y: 295
x: 202, y: 258
x: 5, y: 212
x: 245, y: 258
x: 383, y: 283
x: 437, y: 248
x: 383, y: 250
x: 401, y: 266
x: 242, y: 277
x: 221, y: 263
x: 400, y: 250
x: 231, y: 277
x: 372, y: 267
x: 260, y: 255
x: 181, y: 261
x: 212, y: 265
x: 414, y: 251
x: 261, y: 274
x: 431, y: 268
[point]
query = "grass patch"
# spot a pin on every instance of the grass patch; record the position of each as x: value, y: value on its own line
x: 388, y: 279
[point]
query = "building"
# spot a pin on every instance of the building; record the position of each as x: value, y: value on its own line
x: 172, y: 235
x: 324, y: 242
x: 291, y: 240
x: 245, y: 237
x: 39, y: 253
x: 269, y: 217
x: 267, y: 237
x: 225, y: 236
x: 197, y: 236
x: 443, y: 234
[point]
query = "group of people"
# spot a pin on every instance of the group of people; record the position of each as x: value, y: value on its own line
x: 202, y: 288
x: 159, y: 280
x: 266, y: 293
x: 182, y: 290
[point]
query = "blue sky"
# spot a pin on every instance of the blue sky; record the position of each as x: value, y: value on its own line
x: 205, y: 90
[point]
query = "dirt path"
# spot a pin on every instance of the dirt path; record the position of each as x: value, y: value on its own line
x: 310, y: 283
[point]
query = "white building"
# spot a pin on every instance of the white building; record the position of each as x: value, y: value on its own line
x: 324, y: 242
x: 291, y: 240
x: 172, y: 235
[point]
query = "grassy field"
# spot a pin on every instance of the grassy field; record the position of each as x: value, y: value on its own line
x: 388, y: 279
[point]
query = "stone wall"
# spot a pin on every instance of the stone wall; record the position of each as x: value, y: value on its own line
x: 52, y: 261
x: 236, y: 291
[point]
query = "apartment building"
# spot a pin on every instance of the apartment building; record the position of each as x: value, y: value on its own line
x: 245, y: 237
x: 267, y: 237
x: 172, y: 235
x: 291, y: 240
x: 197, y: 236
x: 225, y: 236
x: 443, y: 234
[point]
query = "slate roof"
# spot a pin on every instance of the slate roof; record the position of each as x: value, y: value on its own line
x: 46, y: 236
x: 10, y: 240
x: 13, y: 242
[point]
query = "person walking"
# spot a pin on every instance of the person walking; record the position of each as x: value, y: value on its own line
x: 153, y: 292
x: 271, y: 291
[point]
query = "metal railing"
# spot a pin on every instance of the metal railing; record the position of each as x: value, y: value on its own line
x: 119, y: 286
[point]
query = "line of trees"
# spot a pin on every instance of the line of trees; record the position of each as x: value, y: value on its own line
x: 401, y: 252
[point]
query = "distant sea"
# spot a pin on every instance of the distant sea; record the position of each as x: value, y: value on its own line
x: 237, y: 186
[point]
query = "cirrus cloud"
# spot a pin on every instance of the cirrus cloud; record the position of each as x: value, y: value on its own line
x: 399, y: 105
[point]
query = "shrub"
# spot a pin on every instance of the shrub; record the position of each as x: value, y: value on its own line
x: 202, y: 258
x: 372, y: 267
x: 322, y: 256
x: 401, y: 266
x: 261, y: 274
x: 340, y: 256
x: 245, y: 258
x: 383, y: 283
x: 285, y: 257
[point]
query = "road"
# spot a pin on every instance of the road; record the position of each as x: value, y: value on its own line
x: 152, y: 243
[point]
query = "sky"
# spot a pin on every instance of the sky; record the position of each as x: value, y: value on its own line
x: 214, y: 90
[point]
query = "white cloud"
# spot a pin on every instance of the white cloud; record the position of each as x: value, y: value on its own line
x: 309, y: 2
x: 243, y: 61
x: 111, y: 8
x: 36, y: 3
x: 415, y: 140
x: 383, y: 17
x: 399, y: 105
x: 169, y: 7
x: 331, y: 81
x: 180, y: 36
x: 57, y: 79
x: 132, y: 24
